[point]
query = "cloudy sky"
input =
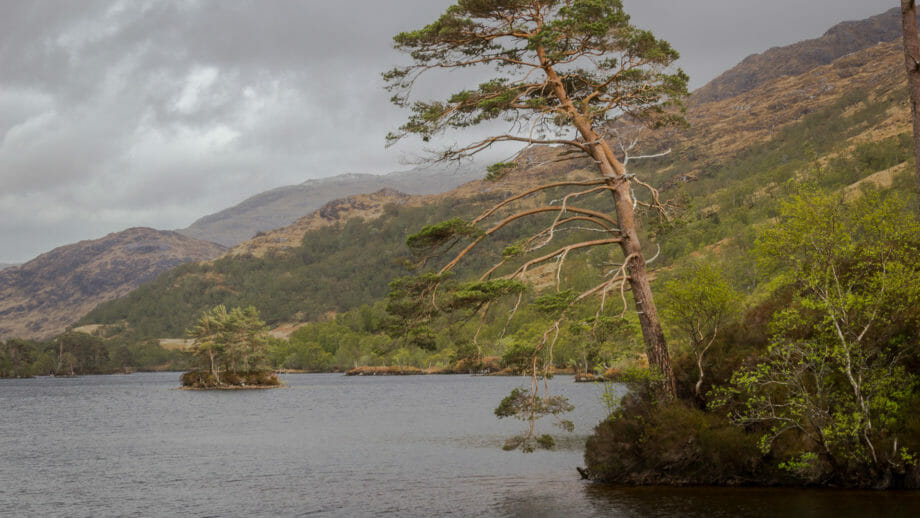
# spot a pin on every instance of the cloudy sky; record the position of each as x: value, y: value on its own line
x: 121, y: 113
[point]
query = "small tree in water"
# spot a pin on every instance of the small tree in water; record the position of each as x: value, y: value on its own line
x: 568, y: 70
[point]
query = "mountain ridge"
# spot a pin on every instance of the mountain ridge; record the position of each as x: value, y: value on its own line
x: 282, y: 206
x: 787, y: 60
x: 40, y: 298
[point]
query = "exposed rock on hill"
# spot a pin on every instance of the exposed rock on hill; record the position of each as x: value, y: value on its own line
x: 282, y: 206
x: 800, y: 57
x: 42, y: 297
x: 363, y: 206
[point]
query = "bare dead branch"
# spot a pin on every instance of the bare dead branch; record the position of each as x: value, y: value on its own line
x: 514, y: 217
x: 565, y: 249
x: 535, y: 190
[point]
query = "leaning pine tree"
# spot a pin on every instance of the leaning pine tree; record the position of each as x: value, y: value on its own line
x: 567, y: 73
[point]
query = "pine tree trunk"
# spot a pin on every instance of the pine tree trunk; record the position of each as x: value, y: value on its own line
x: 656, y: 348
x: 912, y: 63
x: 612, y: 169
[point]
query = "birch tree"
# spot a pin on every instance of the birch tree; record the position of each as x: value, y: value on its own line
x: 699, y: 303
x: 837, y: 372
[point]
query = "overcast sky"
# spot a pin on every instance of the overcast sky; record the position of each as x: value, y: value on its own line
x: 154, y: 113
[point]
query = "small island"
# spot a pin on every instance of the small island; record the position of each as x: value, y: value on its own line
x: 230, y: 351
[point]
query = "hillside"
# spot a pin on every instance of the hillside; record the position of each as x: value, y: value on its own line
x: 722, y: 130
x: 282, y: 206
x: 342, y: 256
x: 800, y: 57
x: 361, y: 206
x: 39, y: 299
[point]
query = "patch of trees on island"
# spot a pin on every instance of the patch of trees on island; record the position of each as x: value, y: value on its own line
x: 230, y: 351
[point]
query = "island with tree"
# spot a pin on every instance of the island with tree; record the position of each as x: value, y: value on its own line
x: 230, y: 351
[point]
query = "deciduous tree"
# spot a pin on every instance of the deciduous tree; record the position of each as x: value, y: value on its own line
x: 699, y: 302
x: 836, y: 371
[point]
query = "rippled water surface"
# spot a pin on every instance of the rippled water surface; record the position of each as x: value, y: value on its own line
x: 328, y: 445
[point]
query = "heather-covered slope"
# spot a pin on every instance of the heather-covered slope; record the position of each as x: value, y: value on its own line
x: 800, y: 57
x: 42, y: 297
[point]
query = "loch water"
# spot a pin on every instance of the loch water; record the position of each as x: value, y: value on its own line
x: 328, y: 445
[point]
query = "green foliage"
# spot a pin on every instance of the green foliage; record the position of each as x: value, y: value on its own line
x: 601, y: 342
x: 499, y: 170
x: 474, y: 295
x: 698, y: 302
x: 230, y: 341
x: 207, y: 380
x: 411, y: 305
x: 519, y: 357
x: 18, y: 359
x: 513, y: 250
x: 434, y: 236
x: 300, y: 353
x: 835, y: 373
x: 332, y: 270
x: 75, y: 353
x: 517, y: 38
x: 528, y: 406
x: 554, y: 303
x: 642, y: 443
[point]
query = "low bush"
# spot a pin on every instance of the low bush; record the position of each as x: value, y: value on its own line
x: 644, y: 443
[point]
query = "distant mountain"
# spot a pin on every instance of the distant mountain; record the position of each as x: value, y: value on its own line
x: 43, y: 296
x: 282, y: 206
x: 800, y: 57
x: 363, y: 206
x: 4, y: 266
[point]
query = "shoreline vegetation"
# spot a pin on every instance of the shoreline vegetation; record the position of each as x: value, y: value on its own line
x: 406, y: 370
x: 814, y: 385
